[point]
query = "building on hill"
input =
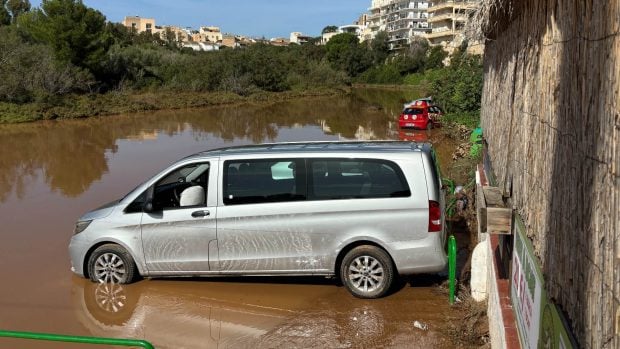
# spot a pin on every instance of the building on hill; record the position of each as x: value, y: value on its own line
x: 211, y: 34
x: 402, y: 20
x: 448, y: 19
x: 139, y: 24
x: 299, y: 38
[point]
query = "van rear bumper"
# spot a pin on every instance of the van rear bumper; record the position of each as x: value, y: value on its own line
x: 419, y: 256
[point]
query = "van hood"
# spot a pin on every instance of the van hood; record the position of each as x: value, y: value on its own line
x: 100, y: 212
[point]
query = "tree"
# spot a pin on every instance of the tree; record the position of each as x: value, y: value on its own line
x: 436, y: 56
x: 17, y: 7
x: 170, y: 38
x: 380, y: 47
x: 329, y: 29
x: 75, y: 32
x: 458, y: 87
x: 29, y: 71
x: 346, y: 54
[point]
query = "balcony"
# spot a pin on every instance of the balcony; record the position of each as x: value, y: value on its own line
x: 447, y: 4
x: 441, y: 34
x: 458, y: 17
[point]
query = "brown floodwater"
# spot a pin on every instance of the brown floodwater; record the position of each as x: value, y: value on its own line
x: 53, y: 172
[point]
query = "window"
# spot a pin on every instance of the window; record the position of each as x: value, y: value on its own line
x: 353, y: 178
x: 264, y: 180
x: 184, y: 187
x: 415, y: 111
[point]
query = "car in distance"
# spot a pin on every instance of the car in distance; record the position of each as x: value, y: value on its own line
x: 365, y: 212
x: 420, y: 115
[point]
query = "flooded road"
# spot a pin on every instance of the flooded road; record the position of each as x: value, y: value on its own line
x: 53, y: 172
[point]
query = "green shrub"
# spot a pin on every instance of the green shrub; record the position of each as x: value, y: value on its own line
x: 469, y: 119
x: 383, y: 74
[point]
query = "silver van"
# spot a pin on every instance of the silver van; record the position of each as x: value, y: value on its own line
x: 365, y: 212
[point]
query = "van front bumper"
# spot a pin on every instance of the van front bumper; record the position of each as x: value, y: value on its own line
x: 77, y: 251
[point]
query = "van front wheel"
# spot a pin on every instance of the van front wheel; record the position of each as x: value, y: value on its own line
x: 111, y: 263
x: 367, y: 272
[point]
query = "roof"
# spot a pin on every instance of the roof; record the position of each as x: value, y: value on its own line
x: 322, y: 146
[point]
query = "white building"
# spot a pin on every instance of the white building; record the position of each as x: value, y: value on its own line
x: 401, y: 19
x: 356, y: 29
x: 299, y: 38
x: 448, y: 18
x: 201, y: 46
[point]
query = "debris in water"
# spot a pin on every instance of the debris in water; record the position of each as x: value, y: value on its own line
x: 420, y: 325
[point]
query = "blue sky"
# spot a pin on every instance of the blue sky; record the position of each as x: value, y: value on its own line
x: 269, y: 18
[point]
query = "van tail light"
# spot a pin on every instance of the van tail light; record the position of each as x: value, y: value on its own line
x: 434, y: 216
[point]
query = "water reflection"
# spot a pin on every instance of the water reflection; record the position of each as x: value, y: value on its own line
x: 414, y: 135
x: 279, y: 313
x: 68, y: 156
x: 187, y: 314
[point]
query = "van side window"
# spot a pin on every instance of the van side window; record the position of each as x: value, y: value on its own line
x: 264, y: 180
x: 355, y: 178
x: 183, y: 187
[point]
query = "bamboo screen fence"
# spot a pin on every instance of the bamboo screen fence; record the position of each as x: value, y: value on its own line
x: 550, y: 114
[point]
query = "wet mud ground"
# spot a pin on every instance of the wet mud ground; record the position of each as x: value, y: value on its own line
x: 53, y: 172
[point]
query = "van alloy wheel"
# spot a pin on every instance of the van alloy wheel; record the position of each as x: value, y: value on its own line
x: 109, y: 268
x: 111, y: 263
x: 367, y: 272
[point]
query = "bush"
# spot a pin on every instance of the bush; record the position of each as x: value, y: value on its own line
x: 469, y: 119
x: 384, y: 74
x: 317, y: 75
x: 458, y: 87
x: 29, y: 71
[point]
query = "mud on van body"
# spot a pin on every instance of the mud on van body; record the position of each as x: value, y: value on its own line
x: 363, y: 211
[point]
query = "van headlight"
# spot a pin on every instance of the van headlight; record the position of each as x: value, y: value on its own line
x: 80, y: 226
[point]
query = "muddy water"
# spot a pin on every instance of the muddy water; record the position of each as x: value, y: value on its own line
x: 52, y: 172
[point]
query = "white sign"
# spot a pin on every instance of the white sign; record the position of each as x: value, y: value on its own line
x: 526, y: 294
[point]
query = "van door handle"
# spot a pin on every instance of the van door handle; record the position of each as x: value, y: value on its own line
x: 204, y: 213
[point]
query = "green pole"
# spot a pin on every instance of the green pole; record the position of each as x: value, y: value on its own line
x: 452, y: 266
x: 77, y: 339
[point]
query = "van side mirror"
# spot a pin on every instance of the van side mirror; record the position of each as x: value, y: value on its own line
x: 148, y: 206
x: 148, y: 202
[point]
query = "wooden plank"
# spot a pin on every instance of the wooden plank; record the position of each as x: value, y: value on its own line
x: 482, y: 219
x: 498, y: 220
x: 493, y: 196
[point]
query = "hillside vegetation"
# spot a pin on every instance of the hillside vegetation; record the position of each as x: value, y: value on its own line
x: 65, y: 59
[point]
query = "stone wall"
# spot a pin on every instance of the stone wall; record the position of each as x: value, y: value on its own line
x: 550, y: 114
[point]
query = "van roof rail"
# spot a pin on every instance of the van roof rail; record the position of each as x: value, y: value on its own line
x: 375, y: 145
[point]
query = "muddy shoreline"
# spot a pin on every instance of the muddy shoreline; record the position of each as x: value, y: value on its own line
x: 116, y: 103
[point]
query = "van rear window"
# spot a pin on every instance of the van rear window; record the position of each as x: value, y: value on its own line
x: 332, y: 179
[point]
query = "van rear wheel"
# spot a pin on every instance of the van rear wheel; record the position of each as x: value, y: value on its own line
x: 111, y: 263
x: 367, y: 272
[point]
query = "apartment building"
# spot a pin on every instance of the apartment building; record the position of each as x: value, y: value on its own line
x: 211, y: 34
x: 139, y: 24
x: 448, y: 18
x: 402, y: 20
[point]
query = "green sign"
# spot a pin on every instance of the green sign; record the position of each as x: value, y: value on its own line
x: 539, y: 322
